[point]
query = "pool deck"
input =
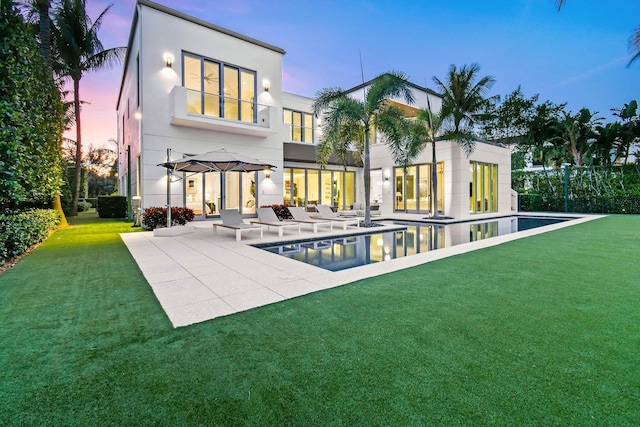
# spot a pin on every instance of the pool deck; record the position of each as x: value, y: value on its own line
x: 204, y: 275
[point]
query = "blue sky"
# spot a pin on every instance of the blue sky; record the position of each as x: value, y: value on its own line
x: 577, y: 56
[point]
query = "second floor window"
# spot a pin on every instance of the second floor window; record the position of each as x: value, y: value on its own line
x: 218, y: 89
x: 300, y: 125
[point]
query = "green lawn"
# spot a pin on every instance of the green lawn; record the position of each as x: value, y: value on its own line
x: 539, y: 331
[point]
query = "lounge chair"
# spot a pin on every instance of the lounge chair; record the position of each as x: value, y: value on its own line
x: 325, y: 212
x: 359, y: 208
x: 232, y: 219
x: 300, y: 215
x: 266, y: 216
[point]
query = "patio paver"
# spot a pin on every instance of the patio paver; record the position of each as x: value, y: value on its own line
x: 202, y: 275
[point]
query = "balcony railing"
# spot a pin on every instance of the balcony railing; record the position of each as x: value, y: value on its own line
x: 211, y: 111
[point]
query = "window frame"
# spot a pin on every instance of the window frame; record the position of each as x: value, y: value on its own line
x: 222, y: 65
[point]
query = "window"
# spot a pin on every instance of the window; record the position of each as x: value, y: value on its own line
x: 300, y: 125
x: 311, y: 186
x: 483, y: 194
x: 138, y: 80
x: 413, y: 189
x: 218, y: 89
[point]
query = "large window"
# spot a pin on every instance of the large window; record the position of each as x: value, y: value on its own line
x: 300, y: 125
x: 483, y: 194
x: 218, y: 89
x: 207, y: 193
x: 311, y: 186
x: 413, y: 188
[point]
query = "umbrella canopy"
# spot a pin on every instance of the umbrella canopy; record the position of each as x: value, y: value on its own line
x: 216, y: 161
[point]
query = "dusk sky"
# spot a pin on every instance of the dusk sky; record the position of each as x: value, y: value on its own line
x: 577, y: 56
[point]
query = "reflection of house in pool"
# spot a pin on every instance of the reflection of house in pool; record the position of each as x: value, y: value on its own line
x: 194, y: 87
x: 347, y: 252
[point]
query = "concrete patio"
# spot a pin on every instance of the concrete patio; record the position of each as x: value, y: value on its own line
x: 202, y: 275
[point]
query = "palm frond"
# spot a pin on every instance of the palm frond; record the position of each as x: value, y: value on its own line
x: 392, y: 84
x: 634, y: 45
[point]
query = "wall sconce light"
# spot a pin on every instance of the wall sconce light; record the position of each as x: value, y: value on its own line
x: 386, y: 177
x: 169, y: 61
x: 266, y: 85
x: 137, y: 115
x: 267, y: 173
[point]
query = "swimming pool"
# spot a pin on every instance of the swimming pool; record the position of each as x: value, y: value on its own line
x: 340, y: 253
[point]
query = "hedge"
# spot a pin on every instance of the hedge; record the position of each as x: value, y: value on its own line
x: 19, y: 231
x: 112, y: 206
x: 593, y: 204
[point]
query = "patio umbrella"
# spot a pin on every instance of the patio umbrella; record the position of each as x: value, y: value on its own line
x: 214, y: 161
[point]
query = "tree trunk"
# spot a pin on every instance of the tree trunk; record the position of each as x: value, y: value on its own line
x: 366, y: 160
x: 76, y: 176
x: 44, y: 29
x: 434, y: 180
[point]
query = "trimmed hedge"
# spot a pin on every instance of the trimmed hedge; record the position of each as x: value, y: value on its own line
x: 594, y: 204
x: 21, y: 230
x: 112, y: 206
x: 156, y: 217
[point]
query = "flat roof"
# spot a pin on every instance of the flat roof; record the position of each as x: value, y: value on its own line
x: 184, y: 16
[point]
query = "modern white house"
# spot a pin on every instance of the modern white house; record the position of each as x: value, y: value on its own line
x: 191, y: 87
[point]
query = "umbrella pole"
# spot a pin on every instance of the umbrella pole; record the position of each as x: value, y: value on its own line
x: 168, y: 190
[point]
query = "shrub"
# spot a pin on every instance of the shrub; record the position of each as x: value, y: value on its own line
x: 156, y: 217
x: 112, y: 207
x: 84, y: 206
x: 281, y: 211
x: 21, y: 230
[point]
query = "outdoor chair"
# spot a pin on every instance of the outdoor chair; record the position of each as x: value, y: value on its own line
x: 267, y: 216
x: 232, y: 219
x: 325, y: 212
x: 300, y: 215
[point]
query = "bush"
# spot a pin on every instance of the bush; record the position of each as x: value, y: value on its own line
x: 21, y: 230
x: 112, y: 207
x: 156, y: 217
x: 281, y: 211
x: 84, y: 206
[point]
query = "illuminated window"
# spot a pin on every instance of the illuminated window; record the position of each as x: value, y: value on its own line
x: 300, y: 125
x: 218, y: 89
x: 483, y: 191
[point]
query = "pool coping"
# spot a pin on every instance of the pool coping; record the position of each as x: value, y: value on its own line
x: 202, y: 276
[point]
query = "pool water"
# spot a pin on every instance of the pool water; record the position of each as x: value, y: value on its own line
x: 341, y: 253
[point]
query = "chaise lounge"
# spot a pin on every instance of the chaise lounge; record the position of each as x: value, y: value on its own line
x: 232, y: 219
x: 299, y: 215
x: 326, y: 213
x: 266, y: 216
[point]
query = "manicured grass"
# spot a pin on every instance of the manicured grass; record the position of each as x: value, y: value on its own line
x: 540, y: 331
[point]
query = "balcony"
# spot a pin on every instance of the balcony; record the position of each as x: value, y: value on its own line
x: 203, y: 110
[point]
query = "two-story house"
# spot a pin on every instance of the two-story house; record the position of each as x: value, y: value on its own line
x: 190, y: 87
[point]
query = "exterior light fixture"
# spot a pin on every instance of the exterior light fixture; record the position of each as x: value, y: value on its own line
x: 266, y: 85
x: 267, y: 173
x: 169, y: 61
x: 137, y: 115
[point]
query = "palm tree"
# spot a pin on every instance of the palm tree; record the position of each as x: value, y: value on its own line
x: 576, y: 132
x: 78, y: 51
x: 634, y: 40
x: 348, y: 121
x: 463, y: 99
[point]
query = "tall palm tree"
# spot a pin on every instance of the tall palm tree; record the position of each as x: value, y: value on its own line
x: 79, y: 50
x: 463, y: 99
x: 348, y: 121
x: 634, y: 40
